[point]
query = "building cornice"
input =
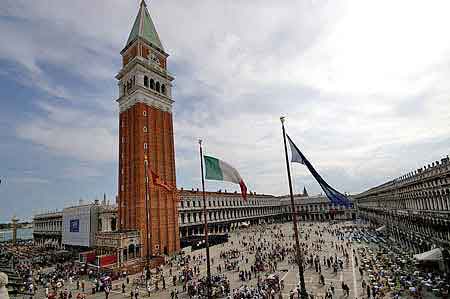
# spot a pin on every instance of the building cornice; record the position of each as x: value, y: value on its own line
x: 145, y: 96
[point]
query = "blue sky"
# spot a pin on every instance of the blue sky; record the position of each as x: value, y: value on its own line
x: 364, y: 86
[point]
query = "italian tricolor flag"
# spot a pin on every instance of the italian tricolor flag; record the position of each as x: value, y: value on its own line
x: 222, y: 171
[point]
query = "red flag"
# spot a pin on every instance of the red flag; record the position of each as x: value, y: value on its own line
x: 158, y: 182
x: 243, y: 189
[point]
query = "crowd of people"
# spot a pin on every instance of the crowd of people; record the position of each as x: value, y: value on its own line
x: 29, y: 254
x: 253, y: 264
x: 391, y: 272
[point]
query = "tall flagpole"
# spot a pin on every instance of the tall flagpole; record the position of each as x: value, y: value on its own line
x: 299, y: 253
x: 147, y: 220
x: 205, y: 218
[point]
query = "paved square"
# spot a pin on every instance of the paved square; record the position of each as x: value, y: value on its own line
x: 319, y: 240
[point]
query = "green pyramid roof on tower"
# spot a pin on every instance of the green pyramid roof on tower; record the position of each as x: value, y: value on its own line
x: 143, y: 27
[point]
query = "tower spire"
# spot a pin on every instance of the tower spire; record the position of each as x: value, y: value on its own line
x: 144, y: 28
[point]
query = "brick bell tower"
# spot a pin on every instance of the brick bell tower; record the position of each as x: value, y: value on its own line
x: 146, y: 130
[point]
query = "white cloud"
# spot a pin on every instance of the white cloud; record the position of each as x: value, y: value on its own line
x: 360, y: 81
x: 74, y: 133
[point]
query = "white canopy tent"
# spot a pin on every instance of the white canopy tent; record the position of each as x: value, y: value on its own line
x: 434, y: 255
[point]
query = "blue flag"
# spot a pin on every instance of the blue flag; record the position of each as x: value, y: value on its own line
x: 333, y: 195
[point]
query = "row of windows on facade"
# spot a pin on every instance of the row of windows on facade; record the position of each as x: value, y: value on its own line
x: 432, y: 183
x: 44, y: 225
x: 217, y: 216
x: 152, y: 84
x: 413, y: 204
x: 316, y: 207
x: 155, y: 85
x: 417, y: 179
x: 212, y: 203
x: 420, y: 194
x: 411, y: 194
x: 436, y: 182
x: 433, y: 204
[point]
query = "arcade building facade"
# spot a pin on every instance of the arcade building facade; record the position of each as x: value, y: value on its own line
x: 415, y: 207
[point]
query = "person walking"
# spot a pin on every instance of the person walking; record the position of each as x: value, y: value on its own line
x: 322, y: 279
x: 347, y: 290
x: 148, y: 289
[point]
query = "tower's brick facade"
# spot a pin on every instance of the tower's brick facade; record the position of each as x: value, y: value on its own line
x: 146, y: 130
x: 160, y: 151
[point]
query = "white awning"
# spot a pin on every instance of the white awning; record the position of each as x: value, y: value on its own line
x: 381, y: 229
x: 430, y: 256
